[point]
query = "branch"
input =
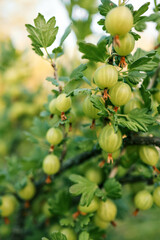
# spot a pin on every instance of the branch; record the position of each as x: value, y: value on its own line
x: 137, y: 140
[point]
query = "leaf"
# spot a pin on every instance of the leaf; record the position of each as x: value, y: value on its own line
x: 44, y: 33
x: 52, y: 80
x: 113, y: 188
x: 158, y: 109
x: 44, y: 238
x: 146, y: 95
x: 57, y: 52
x: 71, y: 86
x: 67, y: 222
x: 106, y: 6
x: 140, y: 11
x: 58, y: 236
x: 83, y: 187
x: 97, y: 103
x: 66, y: 33
x: 135, y: 76
x: 80, y: 91
x: 77, y: 73
x: 84, y: 236
x: 140, y: 62
x: 94, y: 53
x: 136, y: 36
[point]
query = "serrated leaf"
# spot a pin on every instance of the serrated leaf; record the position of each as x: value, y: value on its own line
x: 77, y: 73
x: 97, y: 53
x: 66, y: 33
x: 99, y: 104
x: 83, y: 187
x: 67, y: 222
x: 113, y: 188
x: 106, y: 6
x: 140, y: 62
x: 52, y: 80
x: 136, y: 36
x: 58, y: 236
x: 146, y: 95
x: 84, y: 236
x: 72, y: 85
x: 140, y: 11
x: 135, y: 76
x: 78, y: 91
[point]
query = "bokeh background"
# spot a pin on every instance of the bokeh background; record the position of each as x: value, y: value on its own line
x: 23, y: 89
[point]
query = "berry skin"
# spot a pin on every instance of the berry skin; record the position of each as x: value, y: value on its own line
x: 89, y: 110
x: 127, y: 43
x: 107, y: 211
x: 158, y: 37
x: 93, y: 206
x: 8, y: 205
x: 52, y: 107
x: 149, y: 155
x: 156, y: 196
x: 106, y: 76
x: 54, y: 136
x: 46, y: 210
x: 100, y: 223
x: 63, y: 103
x: 119, y: 21
x: 94, y: 174
x: 110, y: 141
x: 28, y: 191
x: 132, y: 104
x: 54, y: 228
x: 120, y: 94
x: 143, y: 200
x: 69, y: 233
x: 51, y: 164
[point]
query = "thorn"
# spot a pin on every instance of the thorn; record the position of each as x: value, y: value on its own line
x: 116, y: 109
x: 116, y: 41
x: 122, y: 62
x: 6, y: 220
x: 114, y: 224
x: 93, y: 124
x: 105, y: 94
x: 110, y: 158
x: 27, y: 204
x: 76, y: 214
x: 135, y: 213
x: 156, y: 170
x: 48, y: 180
x: 63, y: 117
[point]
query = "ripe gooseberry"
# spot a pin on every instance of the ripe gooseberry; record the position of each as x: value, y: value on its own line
x: 100, y: 223
x: 54, y: 136
x: 106, y: 76
x: 63, y: 103
x: 143, y: 200
x: 69, y: 233
x: 89, y: 110
x: 120, y: 94
x: 51, y: 164
x: 107, y: 210
x: 28, y: 191
x: 119, y: 21
x: 110, y: 141
x: 126, y: 45
x: 94, y: 174
x: 156, y: 196
x: 149, y: 155
x: 52, y: 107
x: 93, y: 206
x: 132, y: 104
x: 7, y: 206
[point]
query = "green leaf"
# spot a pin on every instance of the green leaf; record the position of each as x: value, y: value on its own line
x: 44, y: 238
x: 136, y: 36
x: 97, y: 103
x: 106, y: 6
x: 94, y: 53
x: 158, y: 109
x: 71, y: 86
x: 138, y: 64
x: 66, y: 33
x: 44, y: 33
x: 113, y: 188
x: 78, y: 91
x: 37, y: 50
x: 84, y: 236
x: 135, y: 76
x: 77, y: 73
x: 67, y: 222
x: 52, y: 80
x: 83, y: 187
x: 58, y: 236
x: 57, y: 52
x: 146, y: 95
x: 140, y: 11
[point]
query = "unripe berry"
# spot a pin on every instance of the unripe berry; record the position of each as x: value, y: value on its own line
x: 143, y: 200
x: 132, y: 104
x: 94, y: 174
x: 120, y: 94
x: 107, y: 210
x: 119, y: 21
x: 106, y: 76
x: 51, y: 164
x: 54, y: 136
x: 7, y: 206
x: 46, y: 210
x: 110, y: 141
x: 89, y: 110
x: 100, y: 223
x: 69, y: 233
x: 55, y: 228
x: 156, y: 196
x: 127, y: 43
x: 28, y: 191
x: 52, y: 107
x: 149, y: 155
x: 63, y: 103
x: 93, y: 206
x: 115, y: 154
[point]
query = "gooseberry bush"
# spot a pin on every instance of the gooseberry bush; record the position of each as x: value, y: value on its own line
x: 95, y: 135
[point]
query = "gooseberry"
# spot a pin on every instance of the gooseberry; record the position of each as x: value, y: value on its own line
x: 106, y: 76
x: 51, y: 164
x: 107, y: 210
x: 54, y: 136
x: 126, y: 45
x: 132, y: 104
x: 143, y: 200
x: 149, y: 155
x: 93, y: 206
x: 120, y: 94
x: 94, y: 174
x: 52, y: 107
x: 156, y: 196
x: 7, y: 206
x: 69, y: 233
x: 28, y: 191
x: 63, y: 103
x: 89, y: 110
x: 119, y: 21
x: 100, y: 223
